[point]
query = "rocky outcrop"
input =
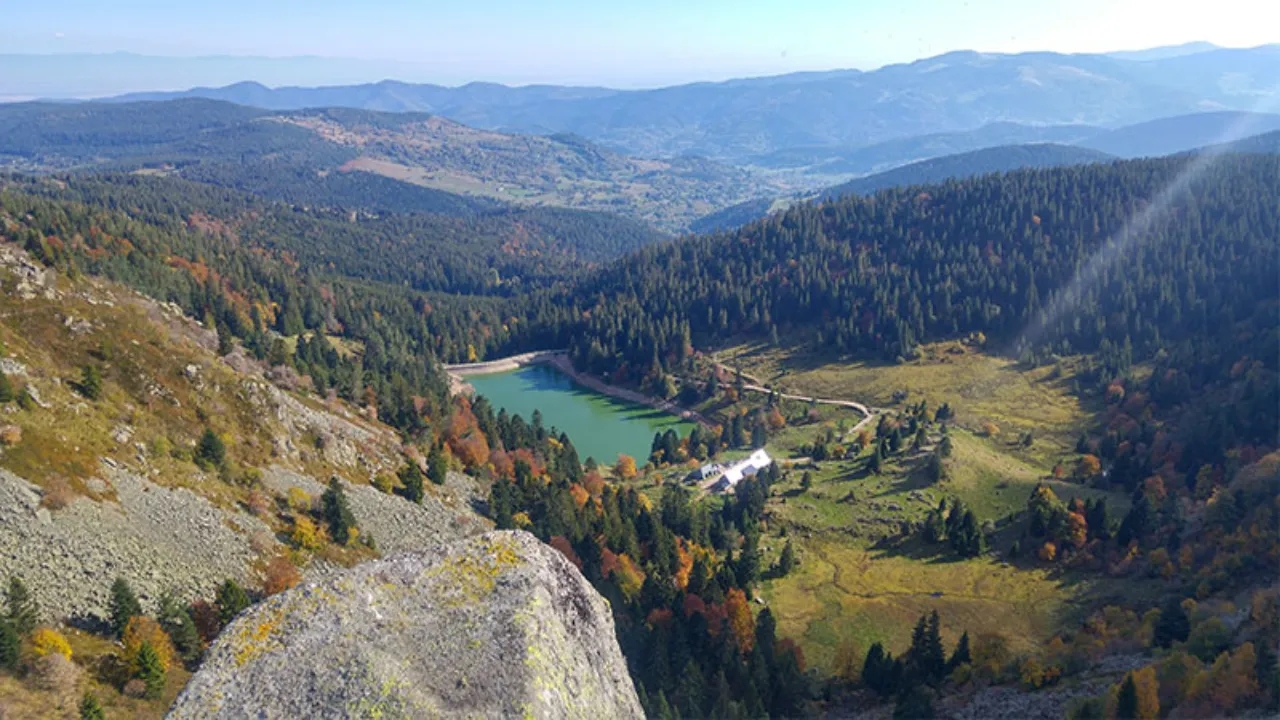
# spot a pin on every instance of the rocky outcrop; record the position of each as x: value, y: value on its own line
x: 498, y: 625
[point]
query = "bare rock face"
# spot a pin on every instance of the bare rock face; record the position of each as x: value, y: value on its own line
x: 497, y: 625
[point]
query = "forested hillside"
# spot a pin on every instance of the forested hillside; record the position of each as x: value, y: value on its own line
x: 366, y: 160
x: 882, y: 274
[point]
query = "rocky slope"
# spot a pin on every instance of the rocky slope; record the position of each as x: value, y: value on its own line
x: 498, y: 625
x: 93, y: 489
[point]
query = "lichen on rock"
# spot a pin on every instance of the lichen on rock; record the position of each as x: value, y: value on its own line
x: 497, y: 625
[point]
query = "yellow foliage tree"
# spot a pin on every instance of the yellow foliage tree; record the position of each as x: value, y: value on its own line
x: 142, y: 630
x: 306, y: 534
x: 1148, y: 688
x: 741, y: 621
x: 625, y: 468
x: 990, y: 429
x: 47, y: 641
x: 299, y: 500
x: 629, y: 576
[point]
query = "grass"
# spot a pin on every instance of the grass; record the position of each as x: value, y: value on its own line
x: 981, y: 387
x: 846, y: 593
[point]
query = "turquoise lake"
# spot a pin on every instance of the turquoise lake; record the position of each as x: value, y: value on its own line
x: 599, y: 426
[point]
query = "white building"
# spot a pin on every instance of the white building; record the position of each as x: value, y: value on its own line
x: 736, y: 472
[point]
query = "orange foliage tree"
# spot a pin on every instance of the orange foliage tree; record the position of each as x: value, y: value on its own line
x: 141, y: 630
x: 279, y: 575
x: 741, y: 621
x: 625, y: 468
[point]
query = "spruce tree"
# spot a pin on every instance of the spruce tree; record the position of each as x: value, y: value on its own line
x: 211, y: 452
x: 90, y: 384
x: 934, y: 659
x: 6, y: 388
x: 437, y: 464
x: 787, y: 561
x: 124, y: 605
x: 21, y: 610
x: 336, y: 512
x: 961, y: 654
x: 10, y: 646
x: 232, y: 599
x: 411, y: 477
x: 1173, y: 625
x: 90, y: 708
x: 1127, y: 700
x: 151, y: 670
x: 177, y: 622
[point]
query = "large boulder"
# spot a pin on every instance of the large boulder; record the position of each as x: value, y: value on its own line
x: 497, y: 625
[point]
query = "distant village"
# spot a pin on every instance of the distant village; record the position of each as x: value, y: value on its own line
x: 730, y: 475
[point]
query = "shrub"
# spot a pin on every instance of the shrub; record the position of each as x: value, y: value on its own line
x: 299, y: 500
x: 57, y: 675
x: 306, y: 534
x: 10, y: 435
x: 90, y: 384
x: 279, y: 575
x: 231, y: 600
x: 135, y: 688
x: 47, y: 641
x: 57, y: 494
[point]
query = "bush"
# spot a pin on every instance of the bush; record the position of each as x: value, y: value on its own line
x: 306, y: 534
x: 10, y: 435
x: 57, y: 494
x: 90, y: 384
x: 57, y: 675
x: 47, y: 641
x: 299, y: 500
x: 279, y: 575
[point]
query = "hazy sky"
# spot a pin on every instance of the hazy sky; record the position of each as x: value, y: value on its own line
x: 625, y: 42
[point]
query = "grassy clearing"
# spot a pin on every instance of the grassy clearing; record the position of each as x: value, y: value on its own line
x: 844, y: 594
x: 981, y: 387
x: 847, y: 594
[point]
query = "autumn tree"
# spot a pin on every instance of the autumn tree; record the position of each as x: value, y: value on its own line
x: 625, y: 468
x: 741, y: 622
x: 279, y: 575
x: 144, y: 632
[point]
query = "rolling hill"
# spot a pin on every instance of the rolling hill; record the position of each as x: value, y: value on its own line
x: 977, y: 162
x: 343, y: 157
x: 1181, y: 133
x: 741, y: 119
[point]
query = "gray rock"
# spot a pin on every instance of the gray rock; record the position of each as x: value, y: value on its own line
x: 498, y: 625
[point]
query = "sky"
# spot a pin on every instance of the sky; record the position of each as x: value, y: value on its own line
x: 621, y: 43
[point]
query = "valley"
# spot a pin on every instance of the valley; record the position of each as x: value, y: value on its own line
x: 287, y: 387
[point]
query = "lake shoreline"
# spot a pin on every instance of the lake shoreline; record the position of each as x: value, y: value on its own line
x: 559, y: 359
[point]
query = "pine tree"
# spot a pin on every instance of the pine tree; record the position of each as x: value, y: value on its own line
x: 6, y: 388
x: 411, y: 477
x: 90, y: 708
x: 934, y: 658
x: 336, y: 512
x: 787, y: 561
x: 151, y: 670
x: 437, y: 464
x: 961, y: 654
x: 1127, y: 700
x: 124, y: 605
x: 90, y: 384
x: 211, y: 452
x: 177, y: 622
x: 10, y: 646
x: 875, y: 463
x: 232, y: 599
x: 1173, y: 625
x: 945, y: 447
x: 225, y: 341
x: 21, y: 610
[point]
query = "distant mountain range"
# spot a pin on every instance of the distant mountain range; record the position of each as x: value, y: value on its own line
x: 741, y: 120
x: 340, y: 156
x: 1191, y: 133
